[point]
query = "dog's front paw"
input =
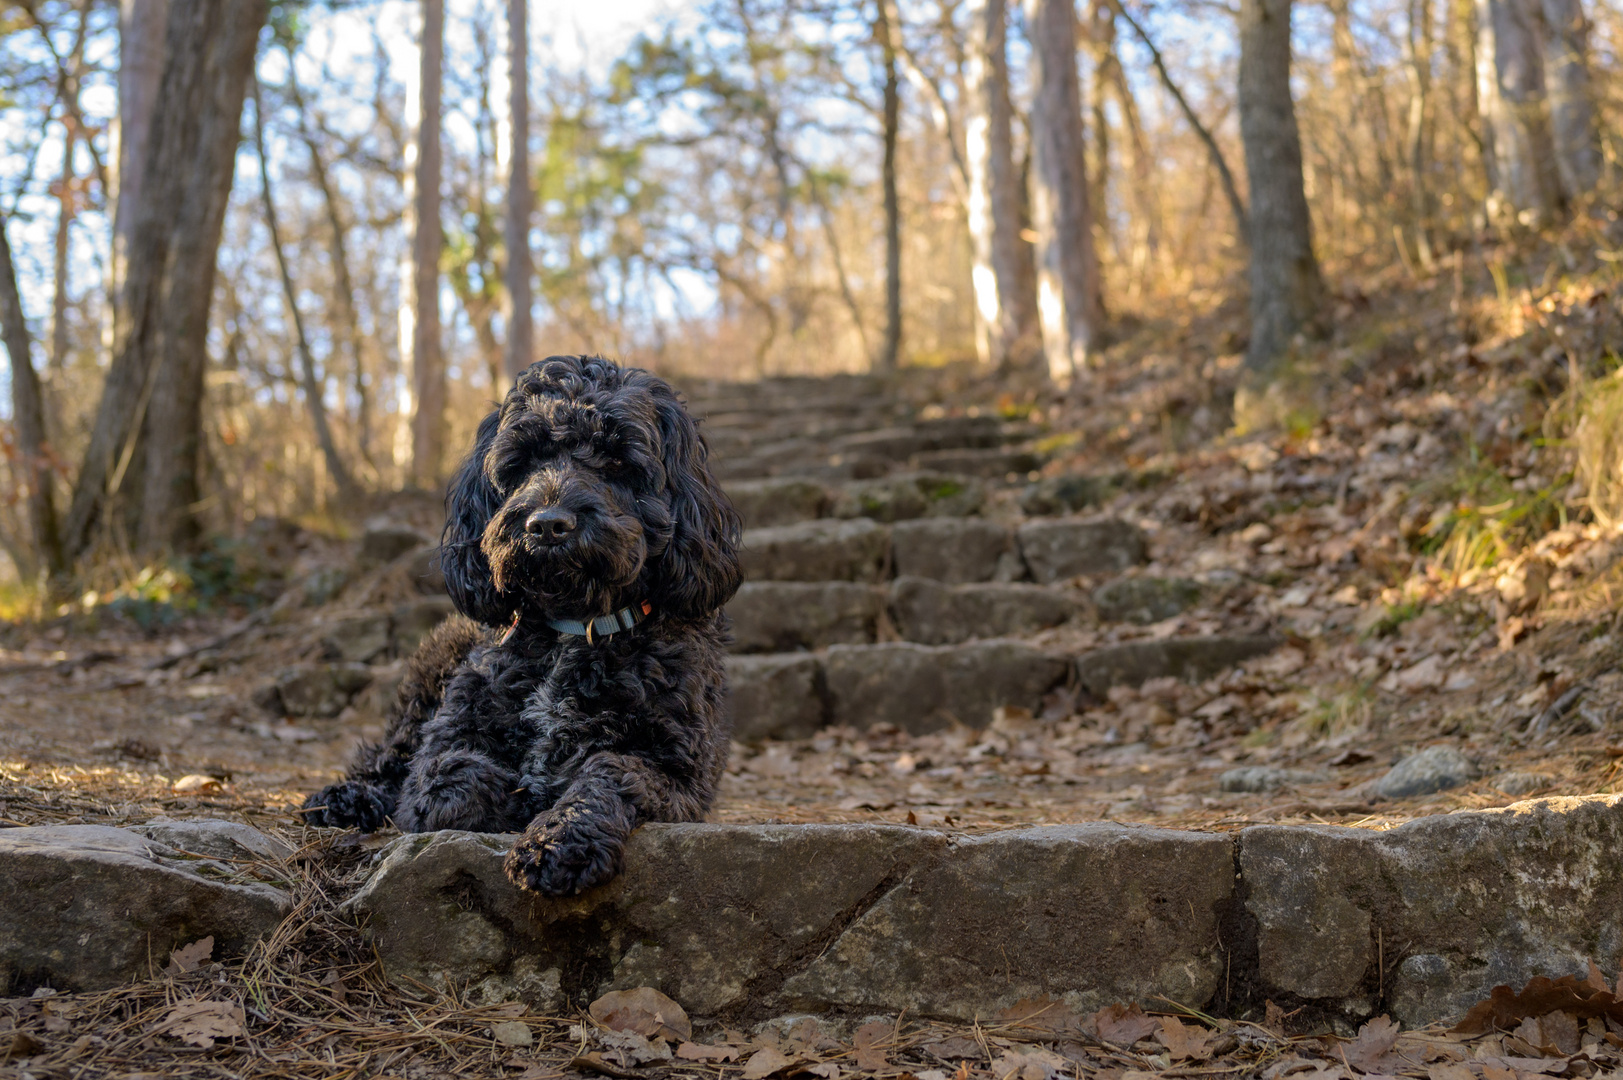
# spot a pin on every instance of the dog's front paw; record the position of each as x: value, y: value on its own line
x: 351, y: 803
x: 555, y: 860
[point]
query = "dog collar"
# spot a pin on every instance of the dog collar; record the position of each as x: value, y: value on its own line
x: 592, y: 630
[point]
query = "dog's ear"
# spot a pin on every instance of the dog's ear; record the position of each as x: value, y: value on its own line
x: 470, y: 502
x: 699, y: 571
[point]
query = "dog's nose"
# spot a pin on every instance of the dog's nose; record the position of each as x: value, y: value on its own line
x: 552, y: 524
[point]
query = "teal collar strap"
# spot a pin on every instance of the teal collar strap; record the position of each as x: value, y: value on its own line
x: 593, y: 630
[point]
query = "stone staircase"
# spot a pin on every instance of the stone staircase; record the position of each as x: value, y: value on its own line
x: 900, y: 562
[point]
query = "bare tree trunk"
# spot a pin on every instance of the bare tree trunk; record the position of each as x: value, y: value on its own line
x: 66, y: 199
x: 1286, y: 289
x: 142, y: 25
x: 423, y: 389
x: 885, y: 26
x: 185, y: 183
x: 1510, y: 92
x: 211, y: 47
x: 520, y: 263
x: 1005, y: 307
x: 1572, y: 99
x: 1070, y: 297
x: 315, y: 388
x: 1417, y: 57
x: 343, y: 282
x: 31, y: 464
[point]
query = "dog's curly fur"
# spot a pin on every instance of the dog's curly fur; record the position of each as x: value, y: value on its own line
x: 575, y: 744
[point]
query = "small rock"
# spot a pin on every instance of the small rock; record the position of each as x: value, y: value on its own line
x: 1523, y: 783
x: 1260, y: 779
x: 1063, y: 494
x: 1145, y: 600
x: 512, y: 1033
x: 356, y: 638
x: 1436, y: 768
x: 317, y: 689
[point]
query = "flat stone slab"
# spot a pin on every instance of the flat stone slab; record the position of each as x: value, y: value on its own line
x: 1438, y: 911
x: 856, y: 550
x: 954, y: 550
x: 780, y: 616
x: 922, y: 688
x: 742, y: 922
x: 1183, y: 658
x: 776, y: 696
x: 906, y: 496
x: 1145, y: 600
x: 1056, y: 549
x: 767, y: 503
x: 89, y: 906
x: 934, y: 613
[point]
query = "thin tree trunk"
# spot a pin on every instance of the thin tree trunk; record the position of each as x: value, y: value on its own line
x: 520, y: 263
x: 1231, y: 191
x: 423, y: 389
x: 1418, y: 49
x: 1070, y: 298
x: 211, y: 48
x: 1286, y: 289
x: 185, y: 183
x: 142, y: 25
x: 32, y: 464
x: 1510, y: 93
x: 1005, y: 304
x: 1571, y: 97
x: 343, y: 282
x: 66, y: 196
x: 315, y: 390
x: 885, y: 26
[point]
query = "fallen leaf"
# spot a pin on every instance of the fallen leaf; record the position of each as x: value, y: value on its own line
x: 699, y: 1052
x: 1123, y: 1025
x: 1448, y: 1070
x: 1504, y: 1008
x: 627, y: 1048
x: 645, y: 1011
x: 957, y: 1048
x: 1040, y: 1012
x: 1374, y: 1041
x: 1186, y: 1041
x: 23, y: 1045
x: 1553, y: 1033
x: 866, y: 1039
x: 512, y: 1033
x: 594, y: 1062
x: 765, y: 1062
x: 830, y: 1070
x: 195, y: 784
x: 200, y: 1022
x: 190, y: 957
x: 1028, y: 1063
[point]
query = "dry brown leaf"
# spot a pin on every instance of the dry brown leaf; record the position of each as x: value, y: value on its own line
x: 195, y: 784
x: 1028, y: 1063
x: 190, y: 957
x: 200, y: 1022
x: 595, y: 1062
x: 645, y: 1011
x: 765, y: 1062
x: 1493, y: 1069
x: 699, y: 1052
x: 1505, y: 1008
x: 1374, y: 1042
x: 1186, y: 1041
x: 628, y: 1049
x: 512, y: 1033
x: 866, y: 1039
x: 1040, y: 1012
x: 1123, y: 1025
x: 1448, y: 1070
x: 828, y: 1070
x: 1553, y: 1033
x: 956, y: 1048
x: 23, y: 1045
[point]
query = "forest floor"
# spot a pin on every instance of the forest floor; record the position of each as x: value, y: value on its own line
x: 1411, y: 527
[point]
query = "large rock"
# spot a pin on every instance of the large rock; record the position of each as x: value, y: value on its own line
x: 1457, y: 904
x: 954, y: 550
x: 780, y: 616
x: 358, y: 638
x: 1184, y: 658
x: 906, y: 496
x: 1059, y: 548
x: 925, y: 688
x: 767, y: 503
x: 1089, y: 914
x: 320, y: 690
x: 856, y: 550
x: 715, y: 916
x: 776, y: 696
x: 89, y: 907
x: 740, y: 923
x: 1144, y: 600
x: 933, y: 613
x: 1434, y: 769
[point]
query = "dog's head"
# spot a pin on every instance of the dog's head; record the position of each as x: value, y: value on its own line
x: 588, y: 490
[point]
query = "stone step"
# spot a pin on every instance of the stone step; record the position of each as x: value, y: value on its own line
x: 952, y: 549
x: 922, y: 688
x: 781, y: 616
x: 740, y: 923
x: 764, y: 503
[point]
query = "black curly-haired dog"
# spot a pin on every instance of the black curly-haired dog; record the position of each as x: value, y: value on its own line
x: 590, y: 550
